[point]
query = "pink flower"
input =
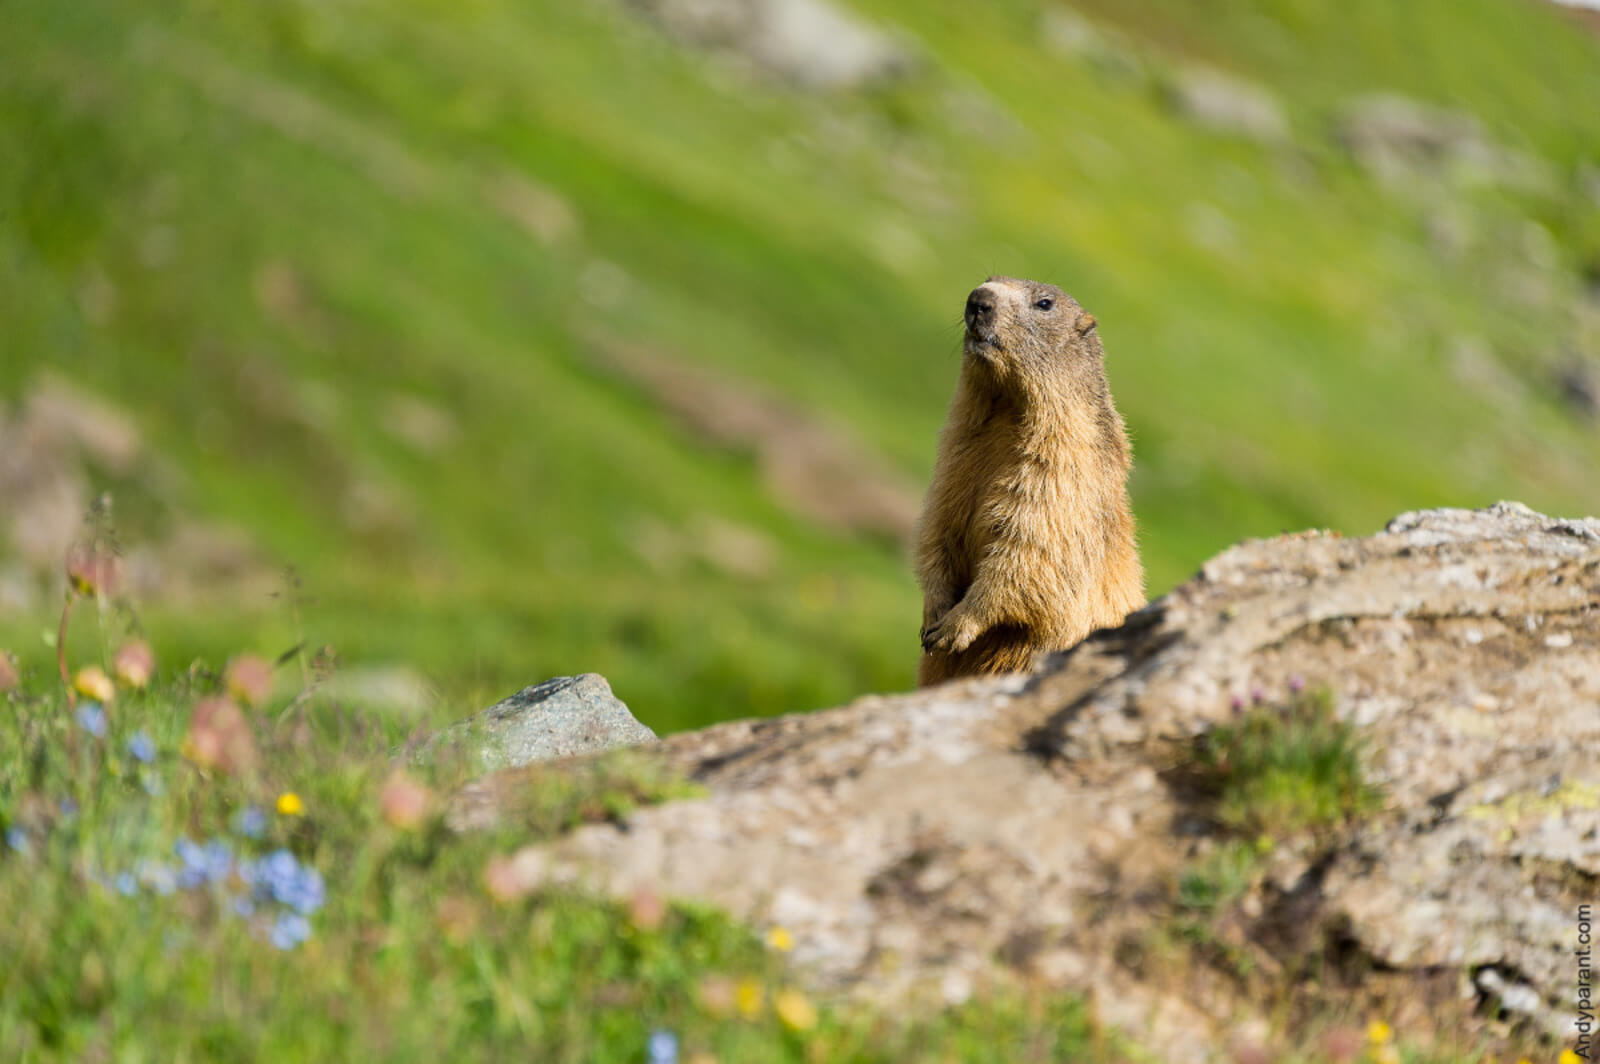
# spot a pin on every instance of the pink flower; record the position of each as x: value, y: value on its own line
x: 404, y: 802
x: 92, y: 571
x: 219, y: 736
x: 248, y: 678
x: 134, y: 664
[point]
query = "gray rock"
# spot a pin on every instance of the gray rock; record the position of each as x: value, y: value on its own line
x: 1229, y: 105
x: 563, y: 717
x: 1399, y: 139
x: 1025, y: 827
x: 1579, y: 381
x: 810, y: 43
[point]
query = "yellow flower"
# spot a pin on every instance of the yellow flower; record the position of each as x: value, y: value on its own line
x: 1569, y: 1057
x: 289, y: 804
x: 780, y: 939
x: 747, y: 998
x: 794, y: 1010
x: 1379, y: 1032
x: 91, y: 681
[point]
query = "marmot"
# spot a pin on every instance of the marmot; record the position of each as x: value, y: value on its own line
x: 1026, y: 541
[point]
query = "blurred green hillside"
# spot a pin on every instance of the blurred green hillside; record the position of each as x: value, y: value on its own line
x: 405, y: 296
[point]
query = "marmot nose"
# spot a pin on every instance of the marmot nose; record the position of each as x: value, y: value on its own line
x: 980, y: 307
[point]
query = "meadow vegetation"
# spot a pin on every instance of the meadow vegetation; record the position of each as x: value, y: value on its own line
x: 352, y: 271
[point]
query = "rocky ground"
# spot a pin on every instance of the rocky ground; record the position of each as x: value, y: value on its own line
x: 1044, y: 828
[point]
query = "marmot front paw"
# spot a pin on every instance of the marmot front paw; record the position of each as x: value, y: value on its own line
x: 953, y: 634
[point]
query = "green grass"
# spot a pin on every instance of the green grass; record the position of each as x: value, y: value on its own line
x: 163, y: 169
x: 1284, y: 769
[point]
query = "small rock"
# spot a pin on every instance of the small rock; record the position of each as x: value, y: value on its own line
x: 1228, y: 105
x: 1579, y: 380
x: 563, y: 717
x: 810, y: 43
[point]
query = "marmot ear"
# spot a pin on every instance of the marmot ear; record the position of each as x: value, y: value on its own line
x: 1086, y: 324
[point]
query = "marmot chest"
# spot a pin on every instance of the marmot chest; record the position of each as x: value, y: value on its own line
x: 982, y: 494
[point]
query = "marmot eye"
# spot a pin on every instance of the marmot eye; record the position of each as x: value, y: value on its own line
x: 1046, y: 303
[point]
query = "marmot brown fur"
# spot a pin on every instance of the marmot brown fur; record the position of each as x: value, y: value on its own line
x: 1026, y: 541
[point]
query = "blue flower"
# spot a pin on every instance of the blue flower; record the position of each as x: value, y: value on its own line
x: 142, y: 747
x: 69, y: 808
x: 251, y: 822
x: 159, y: 877
x: 663, y: 1047
x: 126, y: 884
x: 17, y: 839
x: 211, y: 863
x: 289, y: 930
x: 92, y: 719
x: 280, y: 878
x: 218, y: 860
x: 243, y: 905
x: 192, y: 862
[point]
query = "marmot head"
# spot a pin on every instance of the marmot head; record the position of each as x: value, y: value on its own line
x: 1026, y: 331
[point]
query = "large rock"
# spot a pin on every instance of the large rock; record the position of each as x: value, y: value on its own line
x: 1032, y: 827
x: 563, y: 717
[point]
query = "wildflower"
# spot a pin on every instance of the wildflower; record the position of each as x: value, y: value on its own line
x: 1236, y: 704
x: 195, y: 864
x: 243, y: 906
x: 17, y: 839
x: 142, y: 747
x: 8, y: 673
x: 219, y: 736
x: 403, y: 801
x: 646, y: 909
x: 1257, y: 695
x: 1569, y: 1057
x: 509, y: 878
x: 1379, y: 1032
x: 134, y: 664
x: 457, y: 917
x: 796, y: 1012
x: 717, y: 995
x: 93, y: 572
x: 92, y: 719
x: 126, y: 884
x: 248, y: 678
x: 289, y: 804
x: 289, y: 930
x: 251, y: 822
x: 780, y: 939
x: 1297, y: 683
x: 281, y: 878
x: 663, y: 1047
x: 69, y: 808
x: 159, y: 877
x: 91, y: 681
x: 748, y: 998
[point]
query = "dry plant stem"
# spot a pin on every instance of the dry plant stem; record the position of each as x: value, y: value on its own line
x: 61, y: 649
